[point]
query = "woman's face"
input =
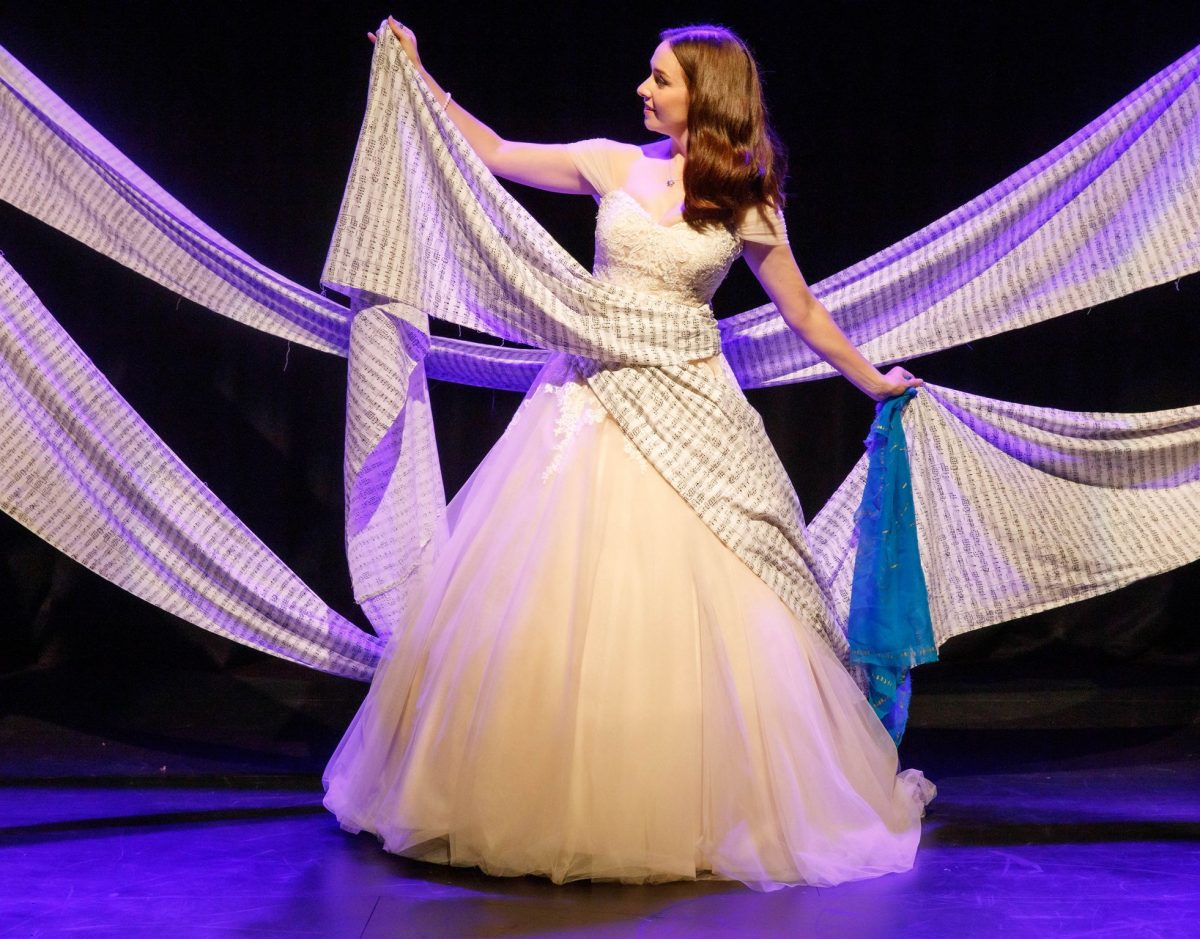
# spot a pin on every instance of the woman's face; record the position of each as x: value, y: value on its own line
x: 664, y: 94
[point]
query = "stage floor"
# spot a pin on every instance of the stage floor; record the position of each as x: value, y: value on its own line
x: 140, y: 802
x: 1085, y: 833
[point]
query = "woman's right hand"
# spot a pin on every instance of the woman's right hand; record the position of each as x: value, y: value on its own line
x: 899, y: 380
x: 408, y: 40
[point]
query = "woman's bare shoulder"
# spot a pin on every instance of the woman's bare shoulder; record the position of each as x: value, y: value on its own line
x: 656, y: 149
x: 616, y: 147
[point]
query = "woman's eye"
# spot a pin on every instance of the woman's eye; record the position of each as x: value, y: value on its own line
x: 658, y: 80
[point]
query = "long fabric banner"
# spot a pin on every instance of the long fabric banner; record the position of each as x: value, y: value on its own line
x: 1021, y: 509
x: 1112, y: 210
x: 1108, y: 212
x: 83, y: 471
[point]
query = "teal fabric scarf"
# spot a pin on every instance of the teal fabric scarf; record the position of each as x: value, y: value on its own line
x: 889, y: 626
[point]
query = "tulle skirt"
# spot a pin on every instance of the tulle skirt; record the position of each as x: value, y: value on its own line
x: 597, y: 687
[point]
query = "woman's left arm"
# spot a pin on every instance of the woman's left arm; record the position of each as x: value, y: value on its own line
x: 776, y: 269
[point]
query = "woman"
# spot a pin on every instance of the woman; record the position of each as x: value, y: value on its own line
x: 597, y: 686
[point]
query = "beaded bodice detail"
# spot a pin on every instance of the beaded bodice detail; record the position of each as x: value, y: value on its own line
x: 674, y: 261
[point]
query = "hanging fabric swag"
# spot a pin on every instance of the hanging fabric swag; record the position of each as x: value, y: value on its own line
x: 1005, y: 496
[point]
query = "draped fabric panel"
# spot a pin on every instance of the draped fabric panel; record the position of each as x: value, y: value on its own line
x: 1110, y: 211
x: 82, y: 470
x: 59, y: 169
x: 425, y: 226
x: 1113, y: 210
x: 395, y: 503
x: 1022, y: 509
x: 412, y: 166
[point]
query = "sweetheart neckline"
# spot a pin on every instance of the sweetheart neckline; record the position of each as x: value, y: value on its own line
x: 645, y: 211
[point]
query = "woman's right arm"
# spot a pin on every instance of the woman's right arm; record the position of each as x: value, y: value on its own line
x: 541, y: 165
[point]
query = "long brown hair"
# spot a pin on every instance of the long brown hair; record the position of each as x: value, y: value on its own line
x: 734, y: 160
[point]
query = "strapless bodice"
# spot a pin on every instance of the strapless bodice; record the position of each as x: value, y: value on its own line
x: 674, y: 261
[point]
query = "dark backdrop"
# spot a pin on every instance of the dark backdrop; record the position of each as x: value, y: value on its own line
x: 894, y: 114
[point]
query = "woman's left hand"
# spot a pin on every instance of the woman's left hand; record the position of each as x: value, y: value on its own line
x: 898, y: 378
x: 408, y: 40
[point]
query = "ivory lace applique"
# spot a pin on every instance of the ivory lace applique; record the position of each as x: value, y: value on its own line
x: 675, y: 261
x: 577, y: 406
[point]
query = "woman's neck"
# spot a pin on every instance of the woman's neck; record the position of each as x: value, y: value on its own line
x: 669, y: 148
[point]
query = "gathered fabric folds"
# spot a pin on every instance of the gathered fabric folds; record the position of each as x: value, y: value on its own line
x: 1017, y: 508
x: 460, y: 246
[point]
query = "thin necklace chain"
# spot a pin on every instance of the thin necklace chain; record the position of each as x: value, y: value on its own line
x: 671, y: 176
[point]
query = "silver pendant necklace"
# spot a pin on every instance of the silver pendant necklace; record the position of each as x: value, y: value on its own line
x: 671, y: 174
